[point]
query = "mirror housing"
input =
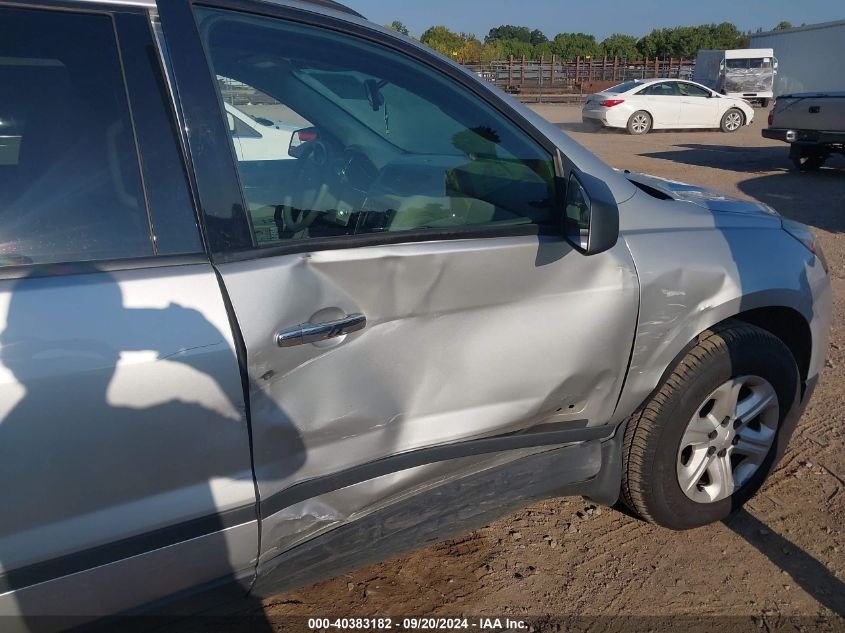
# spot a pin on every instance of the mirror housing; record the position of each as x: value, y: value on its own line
x: 300, y: 139
x: 591, y: 215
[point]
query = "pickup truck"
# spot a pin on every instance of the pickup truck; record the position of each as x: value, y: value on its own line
x: 813, y: 123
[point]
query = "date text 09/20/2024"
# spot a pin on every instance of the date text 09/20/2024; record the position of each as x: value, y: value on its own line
x: 438, y: 624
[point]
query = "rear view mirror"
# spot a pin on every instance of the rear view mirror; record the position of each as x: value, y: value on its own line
x: 374, y: 95
x: 591, y: 217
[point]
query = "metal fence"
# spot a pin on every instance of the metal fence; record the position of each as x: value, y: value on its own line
x: 578, y: 76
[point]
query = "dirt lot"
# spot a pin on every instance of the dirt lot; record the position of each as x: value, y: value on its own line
x: 782, y: 558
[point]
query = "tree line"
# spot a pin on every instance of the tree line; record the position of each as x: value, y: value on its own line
x: 506, y: 40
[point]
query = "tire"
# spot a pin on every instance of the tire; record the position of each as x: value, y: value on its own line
x: 639, y: 123
x: 653, y: 456
x: 764, y: 103
x: 809, y: 162
x: 732, y: 120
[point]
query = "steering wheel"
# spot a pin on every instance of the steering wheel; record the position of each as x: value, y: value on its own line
x: 315, y: 167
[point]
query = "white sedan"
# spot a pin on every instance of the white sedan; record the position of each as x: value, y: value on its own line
x: 654, y: 104
x: 260, y: 139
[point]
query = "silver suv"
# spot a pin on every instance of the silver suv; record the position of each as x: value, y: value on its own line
x: 226, y: 364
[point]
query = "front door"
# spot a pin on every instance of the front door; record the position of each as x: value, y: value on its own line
x: 419, y: 227
x: 698, y: 108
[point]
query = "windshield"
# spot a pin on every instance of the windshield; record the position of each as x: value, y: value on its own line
x: 392, y: 112
x: 746, y: 63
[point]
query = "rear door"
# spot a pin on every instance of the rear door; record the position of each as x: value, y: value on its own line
x: 124, y: 450
x: 420, y: 229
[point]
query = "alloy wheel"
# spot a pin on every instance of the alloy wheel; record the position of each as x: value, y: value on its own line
x: 727, y: 439
x: 639, y: 123
x: 733, y: 121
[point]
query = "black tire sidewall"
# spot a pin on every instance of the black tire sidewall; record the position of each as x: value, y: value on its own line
x: 813, y: 162
x: 668, y: 505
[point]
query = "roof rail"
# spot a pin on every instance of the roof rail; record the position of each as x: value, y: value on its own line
x: 337, y: 6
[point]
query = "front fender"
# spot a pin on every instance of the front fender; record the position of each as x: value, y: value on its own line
x: 690, y: 280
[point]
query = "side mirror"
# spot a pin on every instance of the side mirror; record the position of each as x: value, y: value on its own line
x: 300, y: 139
x: 591, y: 216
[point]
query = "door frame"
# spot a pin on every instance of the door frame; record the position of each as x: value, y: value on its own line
x: 227, y: 227
x: 104, y: 561
x: 226, y: 222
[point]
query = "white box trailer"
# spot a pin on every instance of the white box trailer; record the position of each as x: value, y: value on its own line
x: 810, y: 58
x: 747, y: 73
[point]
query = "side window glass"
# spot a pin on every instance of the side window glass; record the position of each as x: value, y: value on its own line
x: 362, y: 139
x: 663, y: 89
x: 690, y: 90
x: 70, y: 187
x: 264, y: 132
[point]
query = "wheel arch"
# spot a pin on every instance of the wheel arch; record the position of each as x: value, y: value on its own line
x: 788, y: 325
x: 742, y: 113
x: 785, y: 323
x: 647, y: 111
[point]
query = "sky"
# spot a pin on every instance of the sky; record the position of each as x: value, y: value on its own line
x: 599, y: 18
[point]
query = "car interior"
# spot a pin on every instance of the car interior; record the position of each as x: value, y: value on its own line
x: 663, y: 89
x: 392, y: 147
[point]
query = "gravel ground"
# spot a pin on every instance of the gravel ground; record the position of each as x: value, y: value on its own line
x: 779, y: 564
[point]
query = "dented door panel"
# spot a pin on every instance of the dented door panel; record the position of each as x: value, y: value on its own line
x: 464, y: 339
x: 443, y: 501
x: 313, y: 517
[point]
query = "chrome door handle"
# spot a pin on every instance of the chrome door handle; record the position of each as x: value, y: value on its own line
x: 313, y: 332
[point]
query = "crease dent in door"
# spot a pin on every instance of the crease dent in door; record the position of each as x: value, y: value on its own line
x: 464, y: 339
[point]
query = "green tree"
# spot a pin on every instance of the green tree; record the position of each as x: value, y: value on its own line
x: 493, y: 51
x: 517, y: 48
x: 397, y: 26
x: 654, y: 43
x: 725, y: 35
x: 571, y: 45
x: 782, y: 26
x: 686, y: 41
x: 463, y: 47
x: 519, y: 33
x: 621, y: 46
x: 538, y: 37
x: 544, y: 50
